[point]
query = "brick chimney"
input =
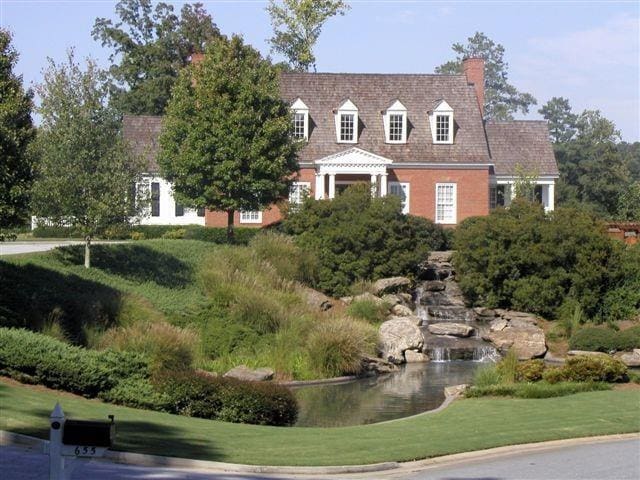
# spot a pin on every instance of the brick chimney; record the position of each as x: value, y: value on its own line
x: 473, y: 68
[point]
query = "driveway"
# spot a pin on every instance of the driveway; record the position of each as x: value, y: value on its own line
x: 15, y: 248
x: 610, y: 460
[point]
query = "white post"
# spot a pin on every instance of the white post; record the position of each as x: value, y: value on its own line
x: 374, y: 185
x: 383, y: 184
x: 551, y: 193
x: 56, y: 460
x: 319, y: 186
x: 332, y: 185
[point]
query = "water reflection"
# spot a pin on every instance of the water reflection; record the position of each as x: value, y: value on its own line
x: 415, y: 389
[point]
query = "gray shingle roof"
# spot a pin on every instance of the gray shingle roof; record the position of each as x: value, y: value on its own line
x: 142, y: 132
x: 521, y: 142
x: 323, y: 93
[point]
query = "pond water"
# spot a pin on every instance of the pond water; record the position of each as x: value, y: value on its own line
x: 416, y: 388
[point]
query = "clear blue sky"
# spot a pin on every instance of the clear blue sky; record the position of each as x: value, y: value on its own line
x: 586, y: 51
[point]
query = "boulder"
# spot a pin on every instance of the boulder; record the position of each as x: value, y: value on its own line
x: 396, y: 336
x: 391, y: 285
x: 444, y: 256
x: 455, y: 390
x: 377, y: 366
x: 346, y: 300
x: 551, y: 358
x: 417, y: 321
x: 484, y: 313
x: 528, y: 341
x: 630, y: 359
x: 498, y: 325
x: 317, y: 300
x: 401, y: 311
x: 406, y: 298
x: 449, y: 328
x: 411, y: 356
x: 242, y: 372
x: 586, y: 353
x: 434, y: 286
x: 392, y: 299
x: 366, y: 296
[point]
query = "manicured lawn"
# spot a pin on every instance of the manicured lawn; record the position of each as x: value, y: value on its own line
x: 466, y: 425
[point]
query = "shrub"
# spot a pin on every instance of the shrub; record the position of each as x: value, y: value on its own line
x: 595, y: 368
x: 554, y: 375
x: 368, y: 310
x: 336, y: 345
x: 486, y: 376
x: 290, y: 261
x: 628, y: 339
x: 137, y: 236
x: 176, y: 234
x: 357, y: 237
x: 137, y: 392
x: 530, y: 371
x: 507, y: 367
x: 594, y: 339
x: 536, y: 390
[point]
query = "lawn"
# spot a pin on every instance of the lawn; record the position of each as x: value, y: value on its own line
x: 470, y: 424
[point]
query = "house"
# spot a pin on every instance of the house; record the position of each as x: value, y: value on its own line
x: 420, y: 137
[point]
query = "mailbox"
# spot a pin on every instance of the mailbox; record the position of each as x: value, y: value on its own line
x: 88, y: 433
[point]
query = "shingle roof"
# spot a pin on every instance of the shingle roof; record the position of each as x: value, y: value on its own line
x: 142, y: 133
x: 521, y: 142
x: 323, y: 93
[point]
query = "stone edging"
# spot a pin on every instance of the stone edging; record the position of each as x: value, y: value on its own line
x: 9, y: 438
x: 324, y: 381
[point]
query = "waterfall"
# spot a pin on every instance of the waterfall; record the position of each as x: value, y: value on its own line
x: 440, y: 354
x: 485, y: 353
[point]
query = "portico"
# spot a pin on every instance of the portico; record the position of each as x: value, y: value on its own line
x: 356, y: 163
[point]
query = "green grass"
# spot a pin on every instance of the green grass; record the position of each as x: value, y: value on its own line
x: 466, y: 425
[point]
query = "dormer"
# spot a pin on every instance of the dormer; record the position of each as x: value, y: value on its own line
x: 300, y: 129
x: 441, y: 122
x: 346, y: 119
x: 394, y: 119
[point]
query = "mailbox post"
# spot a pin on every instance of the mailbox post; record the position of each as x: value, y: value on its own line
x: 76, y: 438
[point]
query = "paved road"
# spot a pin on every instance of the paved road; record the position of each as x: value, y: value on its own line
x: 615, y: 460
x: 14, y: 248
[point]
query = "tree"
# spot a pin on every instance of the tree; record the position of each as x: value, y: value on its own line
x: 152, y: 46
x: 297, y: 25
x: 501, y: 99
x: 85, y: 171
x: 562, y: 122
x: 16, y: 132
x: 226, y: 142
x: 629, y: 203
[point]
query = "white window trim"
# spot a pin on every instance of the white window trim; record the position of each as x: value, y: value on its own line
x: 396, y: 109
x: 245, y: 216
x: 306, y: 186
x: 454, y: 216
x: 347, y: 108
x: 406, y: 186
x: 443, y: 109
x: 300, y: 107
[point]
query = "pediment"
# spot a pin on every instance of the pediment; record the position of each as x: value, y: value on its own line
x: 442, y: 106
x: 354, y: 156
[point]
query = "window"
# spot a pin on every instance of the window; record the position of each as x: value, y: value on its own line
x: 493, y: 197
x: 155, y: 199
x: 300, y: 120
x: 446, y: 203
x: 297, y: 193
x: 395, y: 123
x: 179, y: 210
x: 401, y: 190
x: 442, y: 128
x: 253, y: 216
x: 347, y: 123
x: 200, y: 212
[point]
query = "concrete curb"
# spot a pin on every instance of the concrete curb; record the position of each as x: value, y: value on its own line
x: 143, y: 460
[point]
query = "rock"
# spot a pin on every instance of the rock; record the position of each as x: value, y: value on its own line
x: 392, y: 299
x: 434, y: 286
x: 498, y: 325
x: 368, y: 298
x: 242, y: 372
x: 455, y: 390
x: 377, y: 365
x: 346, y: 300
x: 484, y: 312
x: 417, y: 321
x: 630, y: 359
x: 449, y: 328
x: 586, y: 353
x: 528, y: 341
x: 401, y: 311
x: 396, y: 336
x: 406, y: 298
x: 444, y: 256
x: 550, y: 358
x: 316, y: 299
x: 517, y: 318
x: 411, y: 356
x: 391, y: 285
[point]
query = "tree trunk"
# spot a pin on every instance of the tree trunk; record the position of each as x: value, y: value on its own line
x: 87, y: 251
x: 230, y: 226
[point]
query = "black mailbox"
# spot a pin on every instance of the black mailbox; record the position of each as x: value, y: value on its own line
x: 89, y: 433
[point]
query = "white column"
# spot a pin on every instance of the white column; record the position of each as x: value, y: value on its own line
x: 332, y: 185
x: 56, y: 460
x: 551, y: 193
x: 374, y: 185
x: 319, y: 186
x: 383, y: 184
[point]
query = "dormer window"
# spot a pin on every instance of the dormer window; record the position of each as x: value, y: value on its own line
x: 395, y: 123
x: 300, y: 129
x: 441, y: 122
x: 346, y: 119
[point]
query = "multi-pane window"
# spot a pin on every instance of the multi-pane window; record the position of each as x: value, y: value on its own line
x: 400, y: 190
x: 446, y: 203
x: 299, y: 125
x: 396, y: 127
x: 155, y: 199
x: 200, y: 212
x: 297, y: 193
x: 443, y: 128
x: 252, y: 216
x: 347, y: 127
x: 179, y: 210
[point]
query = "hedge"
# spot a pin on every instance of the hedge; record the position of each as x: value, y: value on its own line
x: 605, y: 340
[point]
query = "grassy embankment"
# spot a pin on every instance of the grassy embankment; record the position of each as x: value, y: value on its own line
x: 469, y: 424
x: 243, y: 305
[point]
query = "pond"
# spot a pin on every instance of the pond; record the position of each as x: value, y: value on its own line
x: 416, y: 388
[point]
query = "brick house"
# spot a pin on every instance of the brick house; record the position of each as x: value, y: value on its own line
x: 421, y: 137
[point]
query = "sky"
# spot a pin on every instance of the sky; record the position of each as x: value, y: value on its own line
x: 586, y: 51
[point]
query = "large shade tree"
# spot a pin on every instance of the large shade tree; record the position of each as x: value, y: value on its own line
x: 226, y: 142
x: 86, y: 174
x: 562, y: 121
x: 16, y: 132
x: 501, y: 99
x: 150, y: 45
